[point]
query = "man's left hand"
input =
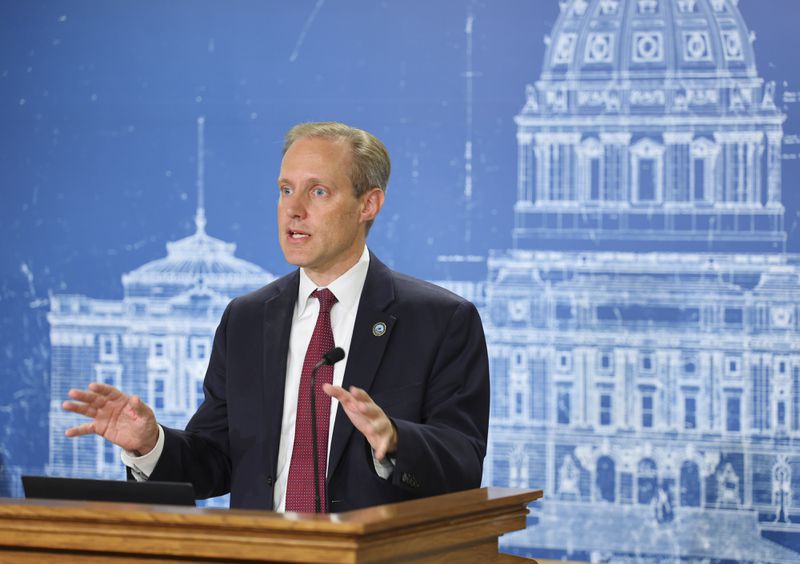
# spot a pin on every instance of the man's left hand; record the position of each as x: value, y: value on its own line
x: 367, y: 417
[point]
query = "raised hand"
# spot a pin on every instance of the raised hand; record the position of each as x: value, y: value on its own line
x: 124, y: 420
x: 367, y: 417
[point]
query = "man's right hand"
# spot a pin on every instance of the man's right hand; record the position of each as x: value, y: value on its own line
x: 124, y: 420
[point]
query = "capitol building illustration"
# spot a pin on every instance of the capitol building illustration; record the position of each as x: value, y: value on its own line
x: 643, y: 331
x: 154, y: 343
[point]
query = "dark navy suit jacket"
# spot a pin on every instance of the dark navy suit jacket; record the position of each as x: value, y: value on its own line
x: 429, y: 372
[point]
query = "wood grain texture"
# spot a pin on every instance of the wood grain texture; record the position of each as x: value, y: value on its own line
x: 463, y: 526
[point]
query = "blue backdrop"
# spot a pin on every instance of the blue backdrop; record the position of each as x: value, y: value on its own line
x: 99, y: 107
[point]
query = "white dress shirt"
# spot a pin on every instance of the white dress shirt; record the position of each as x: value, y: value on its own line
x: 347, y: 289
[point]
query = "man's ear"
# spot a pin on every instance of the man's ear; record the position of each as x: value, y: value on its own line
x: 371, y: 204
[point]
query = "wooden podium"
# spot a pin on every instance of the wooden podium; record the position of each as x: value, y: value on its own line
x: 460, y: 527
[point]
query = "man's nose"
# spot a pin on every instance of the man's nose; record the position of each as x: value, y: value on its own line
x: 294, y: 207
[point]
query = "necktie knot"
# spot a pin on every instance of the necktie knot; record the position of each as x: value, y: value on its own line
x: 326, y: 299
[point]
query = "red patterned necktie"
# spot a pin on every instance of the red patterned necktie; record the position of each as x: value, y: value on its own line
x: 300, y: 488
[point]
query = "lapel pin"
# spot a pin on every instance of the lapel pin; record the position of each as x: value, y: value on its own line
x: 379, y: 329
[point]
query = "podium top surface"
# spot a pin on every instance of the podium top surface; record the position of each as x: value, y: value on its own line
x: 360, y: 521
x: 461, y: 527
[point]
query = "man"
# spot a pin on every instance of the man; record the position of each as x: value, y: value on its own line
x: 404, y: 415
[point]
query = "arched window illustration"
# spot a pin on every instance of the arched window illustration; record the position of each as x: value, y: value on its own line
x: 690, y: 412
x: 647, y: 172
x: 158, y: 392
x: 782, y: 490
x: 647, y: 407
x: 111, y: 375
x: 606, y: 411
x: 647, y: 481
x: 518, y: 475
x: 727, y: 486
x: 701, y: 174
x: 563, y: 401
x: 605, y: 479
x: 733, y: 408
x: 499, y: 363
x: 107, y: 454
x: 780, y: 415
x: 539, y: 385
x: 569, y: 478
x: 796, y: 398
x: 108, y: 348
x: 690, y: 484
x: 590, y: 170
x: 526, y: 157
x: 501, y: 467
x: 531, y: 181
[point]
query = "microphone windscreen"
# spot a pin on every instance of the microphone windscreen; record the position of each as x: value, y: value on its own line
x: 334, y: 356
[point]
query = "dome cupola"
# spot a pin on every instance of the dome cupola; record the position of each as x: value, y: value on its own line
x: 634, y: 38
x: 650, y: 129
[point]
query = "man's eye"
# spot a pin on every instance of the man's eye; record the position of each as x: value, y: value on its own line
x: 285, y: 190
x: 320, y: 191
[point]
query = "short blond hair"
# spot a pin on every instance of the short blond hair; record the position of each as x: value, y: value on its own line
x: 370, y: 166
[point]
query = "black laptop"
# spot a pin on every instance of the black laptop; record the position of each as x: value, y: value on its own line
x: 163, y: 493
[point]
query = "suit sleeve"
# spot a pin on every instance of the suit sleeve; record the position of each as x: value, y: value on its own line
x: 444, y: 451
x: 200, y: 454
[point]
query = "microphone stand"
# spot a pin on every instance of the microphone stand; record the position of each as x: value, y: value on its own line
x: 328, y: 359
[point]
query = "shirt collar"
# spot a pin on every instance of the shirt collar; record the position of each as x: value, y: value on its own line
x: 347, y: 288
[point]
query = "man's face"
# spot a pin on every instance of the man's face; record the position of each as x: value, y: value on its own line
x: 321, y: 223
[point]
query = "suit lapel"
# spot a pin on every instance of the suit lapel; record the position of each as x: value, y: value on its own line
x: 277, y: 323
x: 366, y: 347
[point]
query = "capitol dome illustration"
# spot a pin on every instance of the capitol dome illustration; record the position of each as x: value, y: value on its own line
x: 687, y: 40
x: 649, y: 127
x: 196, y: 259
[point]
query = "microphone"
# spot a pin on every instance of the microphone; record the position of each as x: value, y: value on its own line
x: 331, y: 357
x: 328, y: 359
